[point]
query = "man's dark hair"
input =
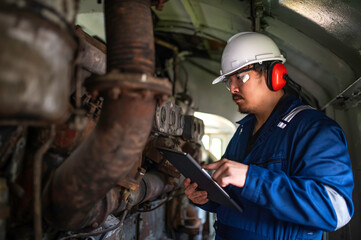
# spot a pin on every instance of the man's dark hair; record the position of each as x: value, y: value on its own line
x: 262, y: 68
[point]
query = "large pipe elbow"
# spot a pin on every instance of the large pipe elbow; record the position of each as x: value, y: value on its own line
x: 77, y: 195
x: 83, y: 180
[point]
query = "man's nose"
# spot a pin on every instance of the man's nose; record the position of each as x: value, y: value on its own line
x: 234, y: 86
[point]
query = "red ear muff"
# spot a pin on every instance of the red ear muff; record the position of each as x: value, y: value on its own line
x: 276, y: 75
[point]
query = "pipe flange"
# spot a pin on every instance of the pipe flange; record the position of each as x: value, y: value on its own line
x: 131, y: 81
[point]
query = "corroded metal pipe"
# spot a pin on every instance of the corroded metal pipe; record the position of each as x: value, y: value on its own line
x: 81, y: 192
x: 131, y: 43
x: 153, y: 185
x: 99, y: 163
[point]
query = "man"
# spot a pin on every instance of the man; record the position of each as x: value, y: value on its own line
x: 287, y: 164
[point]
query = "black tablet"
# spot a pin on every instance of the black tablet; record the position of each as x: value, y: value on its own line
x: 186, y: 164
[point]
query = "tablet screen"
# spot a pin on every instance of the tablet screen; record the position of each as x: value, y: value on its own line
x: 189, y: 167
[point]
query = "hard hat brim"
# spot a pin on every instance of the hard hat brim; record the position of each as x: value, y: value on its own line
x: 218, y: 79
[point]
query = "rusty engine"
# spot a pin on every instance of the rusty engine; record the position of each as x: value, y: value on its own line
x: 81, y: 121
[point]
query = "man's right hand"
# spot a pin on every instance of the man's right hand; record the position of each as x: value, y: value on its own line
x: 197, y: 197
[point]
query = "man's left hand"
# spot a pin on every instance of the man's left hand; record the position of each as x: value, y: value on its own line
x: 228, y: 172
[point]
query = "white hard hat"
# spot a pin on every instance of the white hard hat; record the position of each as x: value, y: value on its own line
x: 246, y: 48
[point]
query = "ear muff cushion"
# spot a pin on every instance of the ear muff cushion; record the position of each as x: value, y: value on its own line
x: 275, y: 76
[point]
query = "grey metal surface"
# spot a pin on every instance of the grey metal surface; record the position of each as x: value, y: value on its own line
x: 349, y: 98
x: 36, y: 68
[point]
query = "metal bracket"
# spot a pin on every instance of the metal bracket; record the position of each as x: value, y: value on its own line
x: 349, y: 98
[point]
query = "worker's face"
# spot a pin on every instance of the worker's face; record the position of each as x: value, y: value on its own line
x: 248, y: 89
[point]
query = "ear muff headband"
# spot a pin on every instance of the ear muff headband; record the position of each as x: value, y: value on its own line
x: 276, y: 76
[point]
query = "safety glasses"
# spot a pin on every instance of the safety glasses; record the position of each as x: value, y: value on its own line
x: 241, y: 78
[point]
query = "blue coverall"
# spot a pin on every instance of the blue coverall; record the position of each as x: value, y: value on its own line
x: 299, y: 181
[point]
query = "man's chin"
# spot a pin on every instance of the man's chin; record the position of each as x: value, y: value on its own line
x: 241, y: 107
x: 243, y: 110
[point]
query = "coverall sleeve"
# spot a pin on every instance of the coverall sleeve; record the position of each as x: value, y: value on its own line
x: 317, y: 192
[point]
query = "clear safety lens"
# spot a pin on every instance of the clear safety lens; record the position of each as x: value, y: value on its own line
x: 241, y: 79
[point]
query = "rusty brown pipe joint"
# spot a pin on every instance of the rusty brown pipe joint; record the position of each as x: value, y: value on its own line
x: 115, y: 83
x: 153, y: 185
